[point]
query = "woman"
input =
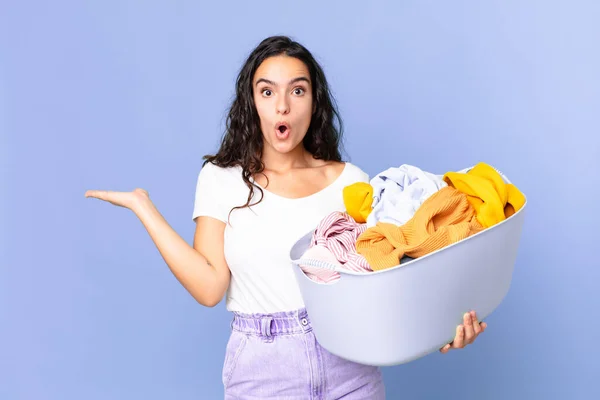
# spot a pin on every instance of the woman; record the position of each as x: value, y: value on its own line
x: 277, y: 173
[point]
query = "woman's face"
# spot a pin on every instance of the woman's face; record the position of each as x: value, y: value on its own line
x: 282, y: 93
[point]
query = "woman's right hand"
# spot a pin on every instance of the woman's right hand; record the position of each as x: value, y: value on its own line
x: 132, y: 200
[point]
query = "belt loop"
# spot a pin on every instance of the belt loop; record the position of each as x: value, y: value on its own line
x: 265, y: 326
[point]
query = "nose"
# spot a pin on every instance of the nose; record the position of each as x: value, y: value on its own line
x: 283, y: 105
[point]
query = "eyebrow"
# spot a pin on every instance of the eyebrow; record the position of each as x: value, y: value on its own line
x: 295, y: 80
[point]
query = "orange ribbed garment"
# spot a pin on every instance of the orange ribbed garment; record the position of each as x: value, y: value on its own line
x: 444, y: 218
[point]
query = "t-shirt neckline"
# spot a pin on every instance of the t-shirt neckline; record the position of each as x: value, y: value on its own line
x: 310, y: 196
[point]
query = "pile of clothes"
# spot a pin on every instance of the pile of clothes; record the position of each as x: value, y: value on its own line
x: 404, y: 213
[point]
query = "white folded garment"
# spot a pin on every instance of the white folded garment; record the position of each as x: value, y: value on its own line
x: 399, y: 191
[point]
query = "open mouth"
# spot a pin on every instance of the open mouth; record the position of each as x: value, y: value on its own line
x: 282, y: 130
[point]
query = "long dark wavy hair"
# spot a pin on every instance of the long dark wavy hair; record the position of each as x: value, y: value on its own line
x: 242, y: 142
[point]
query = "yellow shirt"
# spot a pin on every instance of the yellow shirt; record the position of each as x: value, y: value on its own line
x: 492, y: 199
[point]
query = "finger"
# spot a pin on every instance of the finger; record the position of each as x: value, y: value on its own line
x: 98, y: 194
x: 117, y: 198
x: 483, y: 326
x: 446, y: 348
x: 459, y: 340
x: 476, y: 325
x: 469, y: 331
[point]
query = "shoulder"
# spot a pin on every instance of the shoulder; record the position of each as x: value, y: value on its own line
x: 218, y: 177
x: 336, y: 169
x: 211, y: 169
x: 214, y: 171
x: 346, y: 173
x: 355, y: 173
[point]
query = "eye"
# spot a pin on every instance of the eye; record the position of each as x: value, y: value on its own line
x: 299, y: 91
x: 267, y: 92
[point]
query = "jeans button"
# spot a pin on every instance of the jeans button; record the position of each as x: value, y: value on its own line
x: 304, y: 321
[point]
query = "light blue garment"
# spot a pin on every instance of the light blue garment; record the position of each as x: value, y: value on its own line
x: 399, y: 191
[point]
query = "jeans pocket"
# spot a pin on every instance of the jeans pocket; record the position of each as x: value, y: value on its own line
x: 235, y: 345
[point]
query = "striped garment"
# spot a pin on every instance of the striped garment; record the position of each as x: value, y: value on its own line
x: 333, y: 245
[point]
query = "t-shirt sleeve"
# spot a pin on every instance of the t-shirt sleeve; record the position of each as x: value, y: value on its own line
x: 208, y: 200
x: 361, y: 176
x: 364, y: 177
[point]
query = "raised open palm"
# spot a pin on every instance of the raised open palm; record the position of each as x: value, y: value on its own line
x: 122, y: 199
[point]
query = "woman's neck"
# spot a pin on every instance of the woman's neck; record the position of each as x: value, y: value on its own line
x: 284, y: 162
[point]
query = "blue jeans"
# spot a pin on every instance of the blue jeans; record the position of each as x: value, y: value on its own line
x: 276, y: 356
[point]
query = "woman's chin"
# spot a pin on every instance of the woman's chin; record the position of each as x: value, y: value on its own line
x: 283, y: 146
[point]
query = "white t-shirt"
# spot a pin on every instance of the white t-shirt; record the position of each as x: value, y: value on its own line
x: 258, y: 239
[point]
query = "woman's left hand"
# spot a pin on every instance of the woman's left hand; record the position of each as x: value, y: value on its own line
x: 465, y: 333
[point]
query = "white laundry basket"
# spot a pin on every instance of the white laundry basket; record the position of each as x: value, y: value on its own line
x: 397, y: 315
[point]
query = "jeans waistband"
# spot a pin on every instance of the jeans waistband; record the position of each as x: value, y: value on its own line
x: 280, y: 323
